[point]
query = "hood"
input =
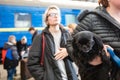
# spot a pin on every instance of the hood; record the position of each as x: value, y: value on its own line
x: 95, y: 11
x: 7, y: 45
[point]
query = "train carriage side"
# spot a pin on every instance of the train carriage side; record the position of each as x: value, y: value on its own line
x: 15, y: 20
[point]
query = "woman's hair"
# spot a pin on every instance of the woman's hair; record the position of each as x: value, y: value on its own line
x: 72, y: 25
x: 46, y: 12
x: 104, y: 3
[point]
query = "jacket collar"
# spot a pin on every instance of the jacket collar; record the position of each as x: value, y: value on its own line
x: 46, y: 30
x: 101, y: 11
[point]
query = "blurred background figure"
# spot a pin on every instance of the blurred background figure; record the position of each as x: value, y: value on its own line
x: 71, y: 27
x: 22, y: 46
x: 33, y: 31
x: 12, y: 57
x: 23, y: 51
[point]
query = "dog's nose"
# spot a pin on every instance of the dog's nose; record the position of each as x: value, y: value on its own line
x: 85, y: 48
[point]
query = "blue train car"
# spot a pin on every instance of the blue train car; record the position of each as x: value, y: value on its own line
x: 15, y: 20
x: 16, y: 16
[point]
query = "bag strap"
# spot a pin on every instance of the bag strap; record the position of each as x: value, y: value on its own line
x: 114, y: 57
x: 43, y: 49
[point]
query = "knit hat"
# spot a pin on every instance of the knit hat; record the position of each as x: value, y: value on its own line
x: 24, y: 38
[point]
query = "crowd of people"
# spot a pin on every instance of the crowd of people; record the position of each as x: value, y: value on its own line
x: 52, y: 54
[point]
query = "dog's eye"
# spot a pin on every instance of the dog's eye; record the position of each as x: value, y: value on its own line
x: 90, y: 43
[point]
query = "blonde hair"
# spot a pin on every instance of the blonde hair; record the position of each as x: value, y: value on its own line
x: 104, y: 3
x: 46, y: 12
x: 72, y: 25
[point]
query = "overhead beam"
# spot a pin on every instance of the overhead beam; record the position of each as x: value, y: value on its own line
x: 45, y: 3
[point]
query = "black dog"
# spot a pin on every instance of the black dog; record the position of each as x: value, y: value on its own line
x: 86, y: 47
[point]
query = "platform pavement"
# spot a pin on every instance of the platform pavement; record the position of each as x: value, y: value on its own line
x: 3, y: 73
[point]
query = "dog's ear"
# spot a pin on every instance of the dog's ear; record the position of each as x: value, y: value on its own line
x: 98, y: 41
x: 75, y: 47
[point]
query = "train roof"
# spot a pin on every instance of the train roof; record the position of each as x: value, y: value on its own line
x: 46, y: 3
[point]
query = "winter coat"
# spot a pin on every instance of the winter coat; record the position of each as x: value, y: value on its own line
x: 12, y: 57
x: 50, y: 69
x: 21, y: 47
x: 101, y: 23
x: 35, y: 34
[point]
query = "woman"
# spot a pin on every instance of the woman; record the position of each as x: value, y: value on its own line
x: 57, y: 64
x: 105, y: 22
x: 71, y: 27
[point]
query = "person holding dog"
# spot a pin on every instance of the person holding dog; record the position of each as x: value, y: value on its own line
x: 71, y: 27
x: 105, y: 22
x: 56, y: 63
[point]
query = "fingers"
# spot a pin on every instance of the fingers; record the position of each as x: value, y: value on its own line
x: 61, y: 54
x: 105, y: 48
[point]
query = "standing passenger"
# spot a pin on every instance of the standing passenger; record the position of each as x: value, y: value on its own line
x: 33, y: 31
x: 71, y: 27
x: 12, y: 57
x: 57, y: 64
x: 105, y: 22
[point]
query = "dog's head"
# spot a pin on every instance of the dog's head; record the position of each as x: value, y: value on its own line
x: 85, y: 41
x: 87, y: 44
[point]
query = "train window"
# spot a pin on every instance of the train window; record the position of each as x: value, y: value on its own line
x: 69, y: 18
x: 22, y: 20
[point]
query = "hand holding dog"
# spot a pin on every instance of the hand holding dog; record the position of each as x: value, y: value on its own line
x: 61, y: 54
x: 96, y: 61
x: 105, y: 48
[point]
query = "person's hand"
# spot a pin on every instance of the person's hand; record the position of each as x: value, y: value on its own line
x: 105, y: 48
x: 61, y: 54
x: 96, y: 61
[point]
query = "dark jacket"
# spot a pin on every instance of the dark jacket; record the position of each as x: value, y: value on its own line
x: 50, y: 69
x: 35, y: 34
x: 13, y: 47
x: 21, y: 47
x: 101, y: 23
x: 12, y: 57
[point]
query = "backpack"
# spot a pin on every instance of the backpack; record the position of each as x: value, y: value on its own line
x: 9, y: 61
x: 4, y: 51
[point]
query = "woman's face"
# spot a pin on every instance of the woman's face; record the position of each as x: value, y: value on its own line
x: 53, y: 17
x: 70, y: 30
x: 115, y: 3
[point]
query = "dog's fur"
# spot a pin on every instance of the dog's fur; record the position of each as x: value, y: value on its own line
x: 86, y: 46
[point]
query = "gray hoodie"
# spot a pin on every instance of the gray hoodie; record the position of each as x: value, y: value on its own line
x: 10, y: 45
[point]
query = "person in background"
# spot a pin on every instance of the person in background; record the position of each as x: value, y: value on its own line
x: 12, y: 57
x: 71, y: 27
x: 57, y: 64
x: 22, y: 49
x: 105, y: 22
x: 22, y: 46
x: 33, y: 31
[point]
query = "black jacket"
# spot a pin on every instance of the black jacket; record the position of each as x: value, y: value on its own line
x: 35, y: 34
x: 101, y: 23
x: 50, y: 69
